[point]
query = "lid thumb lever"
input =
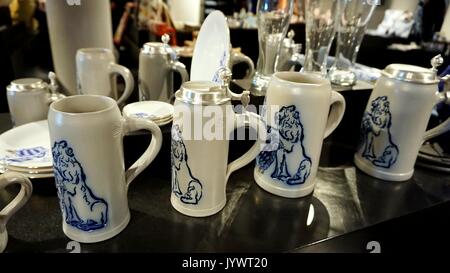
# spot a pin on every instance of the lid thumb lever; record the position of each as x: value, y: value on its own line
x: 436, y: 62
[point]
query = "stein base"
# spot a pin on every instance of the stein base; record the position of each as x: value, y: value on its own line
x: 3, y: 240
x: 194, y: 212
x: 95, y: 238
x: 372, y: 171
x: 283, y: 192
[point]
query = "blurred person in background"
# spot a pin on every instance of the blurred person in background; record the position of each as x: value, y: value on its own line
x: 429, y: 18
x: 22, y: 12
x: 154, y: 15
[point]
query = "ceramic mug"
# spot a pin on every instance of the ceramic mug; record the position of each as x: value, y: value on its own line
x: 96, y: 70
x: 298, y: 118
x: 394, y: 124
x: 29, y: 100
x: 26, y: 189
x: 200, y: 168
x: 86, y: 133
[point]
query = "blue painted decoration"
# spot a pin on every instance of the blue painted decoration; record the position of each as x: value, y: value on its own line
x: 284, y: 154
x: 222, y: 63
x: 376, y: 141
x: 27, y: 154
x: 81, y: 208
x: 181, y: 170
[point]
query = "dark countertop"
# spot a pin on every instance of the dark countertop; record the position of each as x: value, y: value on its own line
x: 345, y: 200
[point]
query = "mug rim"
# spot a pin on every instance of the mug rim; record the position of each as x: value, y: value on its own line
x: 320, y: 81
x: 112, y: 104
x: 94, y: 50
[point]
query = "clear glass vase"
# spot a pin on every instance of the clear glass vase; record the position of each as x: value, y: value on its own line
x: 352, y: 25
x: 273, y: 22
x: 321, y: 17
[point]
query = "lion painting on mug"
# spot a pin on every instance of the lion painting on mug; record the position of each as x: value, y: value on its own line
x: 284, y: 155
x: 81, y: 208
x: 181, y: 172
x: 376, y: 141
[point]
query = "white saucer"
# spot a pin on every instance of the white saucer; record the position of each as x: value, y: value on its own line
x: 26, y: 170
x: 159, y: 112
x: 27, y: 146
x: 32, y: 175
x: 212, y: 49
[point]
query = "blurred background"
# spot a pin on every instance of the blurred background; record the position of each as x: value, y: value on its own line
x: 410, y: 32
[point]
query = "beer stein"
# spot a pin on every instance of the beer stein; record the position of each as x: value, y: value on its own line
x: 394, y: 124
x: 29, y: 99
x: 204, y: 120
x: 157, y: 62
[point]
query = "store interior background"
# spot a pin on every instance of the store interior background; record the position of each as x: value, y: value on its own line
x: 25, y: 48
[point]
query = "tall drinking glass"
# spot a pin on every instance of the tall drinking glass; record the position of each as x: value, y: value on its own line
x: 273, y: 23
x: 321, y: 17
x: 352, y: 26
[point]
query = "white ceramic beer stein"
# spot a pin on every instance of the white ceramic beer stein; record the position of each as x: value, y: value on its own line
x: 96, y: 70
x: 26, y: 189
x: 86, y: 134
x: 157, y: 64
x: 394, y: 124
x: 298, y: 118
x: 204, y: 119
x: 29, y: 100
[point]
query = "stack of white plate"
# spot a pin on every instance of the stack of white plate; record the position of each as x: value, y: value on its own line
x: 159, y: 112
x: 26, y: 149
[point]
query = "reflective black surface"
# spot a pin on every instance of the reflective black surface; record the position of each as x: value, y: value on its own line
x: 345, y: 200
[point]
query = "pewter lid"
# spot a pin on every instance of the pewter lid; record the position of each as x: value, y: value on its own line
x: 414, y: 74
x: 202, y: 93
x: 26, y: 85
x: 155, y: 48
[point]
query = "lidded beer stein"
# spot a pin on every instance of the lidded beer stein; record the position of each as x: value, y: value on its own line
x: 157, y: 62
x: 394, y: 125
x: 204, y: 120
x: 29, y: 99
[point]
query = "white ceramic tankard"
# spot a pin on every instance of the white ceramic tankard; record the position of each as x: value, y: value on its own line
x: 29, y: 99
x: 86, y: 134
x: 203, y: 121
x: 96, y: 70
x: 298, y: 118
x: 394, y: 124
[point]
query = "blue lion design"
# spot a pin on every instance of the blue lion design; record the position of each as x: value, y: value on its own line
x: 179, y: 160
x: 81, y: 208
x: 376, y: 141
x: 284, y: 150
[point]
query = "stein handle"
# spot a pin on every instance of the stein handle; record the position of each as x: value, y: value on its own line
x: 181, y: 69
x: 238, y: 57
x: 336, y: 113
x: 132, y: 125
x: 444, y: 126
x: 256, y: 123
x: 26, y: 189
x: 128, y: 78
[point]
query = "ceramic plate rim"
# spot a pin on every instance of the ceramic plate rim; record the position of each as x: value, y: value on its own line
x: 218, y: 20
x: 9, y: 133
